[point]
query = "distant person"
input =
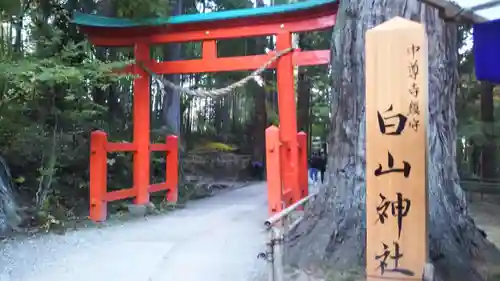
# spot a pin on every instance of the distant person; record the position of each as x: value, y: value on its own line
x: 258, y: 170
x: 322, y: 166
x: 314, y: 165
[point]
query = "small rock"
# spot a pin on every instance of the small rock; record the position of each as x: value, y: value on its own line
x: 141, y: 210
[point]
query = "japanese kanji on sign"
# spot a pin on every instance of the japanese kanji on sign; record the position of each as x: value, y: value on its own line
x: 396, y: 147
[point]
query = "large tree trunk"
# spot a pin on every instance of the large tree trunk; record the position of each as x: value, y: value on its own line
x: 333, y: 231
x: 303, y: 101
x: 304, y: 94
x: 172, y: 99
x: 260, y: 95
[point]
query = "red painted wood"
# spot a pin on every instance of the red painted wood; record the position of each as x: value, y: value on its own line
x: 158, y: 147
x: 158, y: 187
x: 209, y: 50
x: 98, y: 176
x: 303, y: 178
x: 178, y: 33
x: 120, y: 194
x: 120, y: 147
x: 288, y: 197
x: 172, y: 167
x: 309, y: 58
x: 239, y: 63
x: 288, y: 118
x: 141, y: 121
x: 273, y: 171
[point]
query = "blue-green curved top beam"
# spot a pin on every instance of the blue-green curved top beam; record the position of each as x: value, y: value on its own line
x: 109, y: 22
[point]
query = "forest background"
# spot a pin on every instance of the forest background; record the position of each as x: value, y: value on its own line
x: 55, y: 88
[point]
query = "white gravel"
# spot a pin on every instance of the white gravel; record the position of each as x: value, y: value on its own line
x: 214, y: 239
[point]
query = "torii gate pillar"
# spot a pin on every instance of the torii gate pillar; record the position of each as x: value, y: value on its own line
x: 289, y: 153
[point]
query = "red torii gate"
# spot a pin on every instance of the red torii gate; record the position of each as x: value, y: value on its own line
x: 286, y: 158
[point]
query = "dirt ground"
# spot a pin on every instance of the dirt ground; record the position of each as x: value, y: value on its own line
x: 486, y: 214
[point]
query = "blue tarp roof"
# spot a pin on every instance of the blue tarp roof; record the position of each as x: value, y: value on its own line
x: 486, y: 37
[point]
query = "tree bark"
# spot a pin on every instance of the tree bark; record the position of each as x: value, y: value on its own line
x: 333, y: 231
x: 303, y: 101
x: 304, y: 94
x: 172, y: 100
x: 260, y: 97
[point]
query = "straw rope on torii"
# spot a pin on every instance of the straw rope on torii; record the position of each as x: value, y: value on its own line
x: 164, y: 83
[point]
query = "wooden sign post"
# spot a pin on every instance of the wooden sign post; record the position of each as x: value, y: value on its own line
x: 396, y: 148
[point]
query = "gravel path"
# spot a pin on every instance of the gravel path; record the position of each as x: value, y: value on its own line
x: 485, y: 213
x: 215, y: 239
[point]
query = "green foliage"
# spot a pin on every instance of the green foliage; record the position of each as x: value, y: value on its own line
x: 272, y: 115
x: 220, y: 146
x: 320, y: 113
x: 474, y: 133
x: 9, y: 8
x: 46, y: 111
x: 55, y: 88
x: 143, y: 9
x: 30, y: 72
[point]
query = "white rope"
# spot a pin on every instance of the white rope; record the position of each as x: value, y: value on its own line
x: 164, y: 83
